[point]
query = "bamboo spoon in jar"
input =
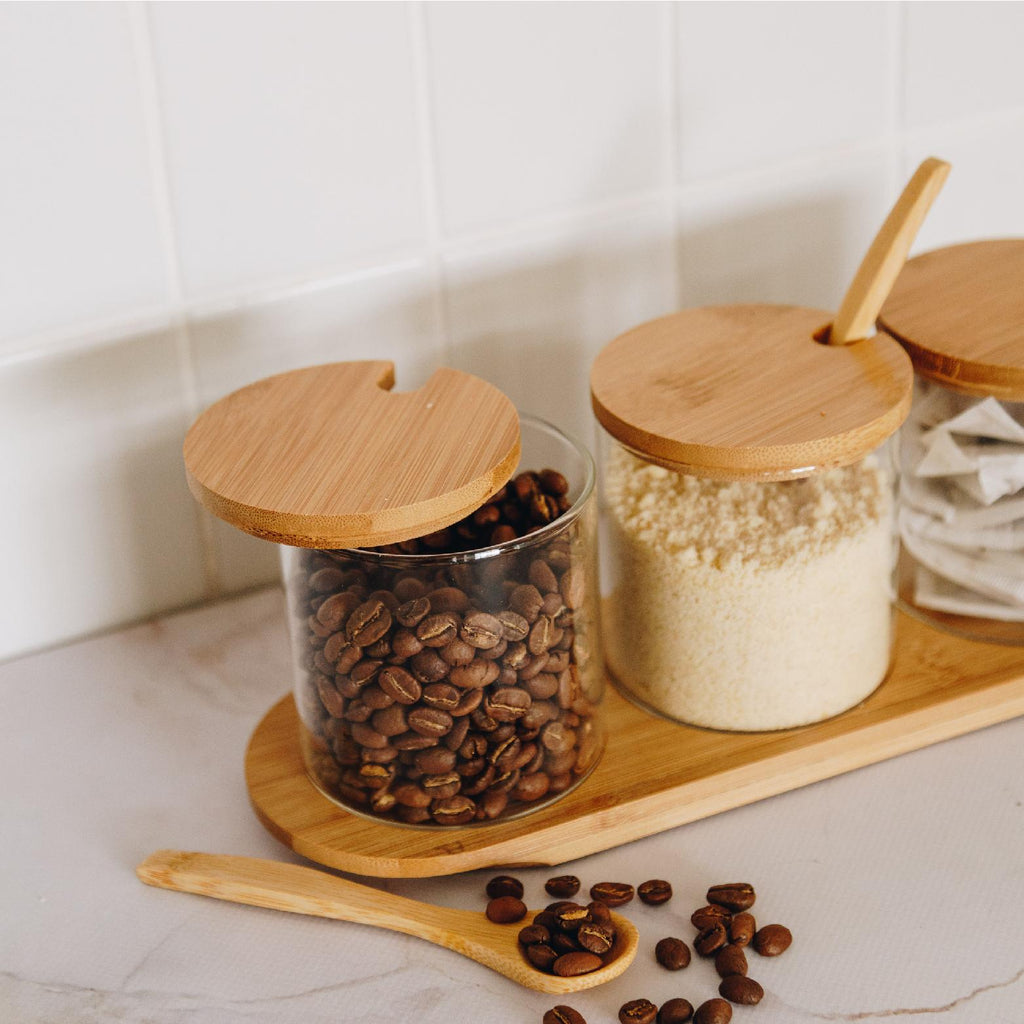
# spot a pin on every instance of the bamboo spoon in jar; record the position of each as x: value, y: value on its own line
x: 302, y: 890
x: 884, y: 260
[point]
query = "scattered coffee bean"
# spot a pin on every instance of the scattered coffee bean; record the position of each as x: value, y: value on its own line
x: 638, y: 1011
x: 741, y: 929
x: 772, y: 939
x: 563, y: 1015
x: 734, y: 896
x: 506, y: 910
x: 612, y: 894
x: 654, y: 892
x: 675, y: 1011
x: 563, y: 886
x: 709, y: 940
x: 730, y: 960
x: 707, y: 916
x: 504, y: 885
x: 739, y: 989
x: 714, y: 1011
x: 569, y: 965
x: 673, y: 954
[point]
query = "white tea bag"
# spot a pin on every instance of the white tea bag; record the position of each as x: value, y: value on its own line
x: 986, y: 419
x: 1004, y: 537
x: 932, y: 591
x: 998, y: 575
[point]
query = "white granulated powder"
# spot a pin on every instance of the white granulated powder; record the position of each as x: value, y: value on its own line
x: 746, y: 605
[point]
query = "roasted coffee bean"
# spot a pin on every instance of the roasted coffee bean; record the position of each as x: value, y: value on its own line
x: 711, y: 939
x: 714, y: 1011
x: 504, y: 885
x: 673, y: 954
x: 481, y: 630
x: 734, y: 896
x: 456, y: 810
x: 730, y: 960
x: 739, y: 989
x: 570, y: 965
x: 458, y: 652
x: 596, y: 938
x: 707, y: 916
x: 368, y: 623
x: 611, y: 894
x: 542, y: 956
x: 675, y: 1011
x: 562, y: 886
x: 772, y: 939
x: 506, y: 910
x: 399, y: 684
x: 448, y: 599
x: 741, y: 929
x: 533, y: 933
x: 412, y: 612
x: 526, y: 600
x: 441, y: 696
x: 599, y: 912
x: 438, y: 629
x: 430, y: 721
x: 570, y: 915
x: 531, y: 788
x: 508, y: 704
x: 638, y: 1011
x: 564, y: 942
x: 655, y: 892
x: 563, y: 1015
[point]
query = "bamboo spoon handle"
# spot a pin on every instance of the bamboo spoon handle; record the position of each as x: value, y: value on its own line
x: 881, y: 265
x: 298, y: 890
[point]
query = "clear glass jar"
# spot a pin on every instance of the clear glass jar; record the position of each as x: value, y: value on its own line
x: 961, y: 513
x: 445, y: 689
x: 748, y: 605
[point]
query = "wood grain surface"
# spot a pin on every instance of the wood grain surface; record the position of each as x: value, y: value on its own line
x: 857, y: 313
x: 746, y: 392
x: 959, y: 312
x: 654, y: 774
x: 330, y: 457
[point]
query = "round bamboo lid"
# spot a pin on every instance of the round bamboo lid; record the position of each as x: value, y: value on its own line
x: 748, y: 392
x: 330, y: 457
x: 959, y: 312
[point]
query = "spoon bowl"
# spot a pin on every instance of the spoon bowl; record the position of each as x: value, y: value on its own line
x: 302, y: 890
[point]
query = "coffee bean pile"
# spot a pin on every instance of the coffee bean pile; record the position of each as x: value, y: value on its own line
x: 524, y: 505
x: 451, y: 692
x: 724, y: 929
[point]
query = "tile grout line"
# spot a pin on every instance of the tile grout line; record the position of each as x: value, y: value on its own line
x: 430, y: 199
x: 149, y: 87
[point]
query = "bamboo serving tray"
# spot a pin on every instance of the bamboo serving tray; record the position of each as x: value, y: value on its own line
x: 654, y: 774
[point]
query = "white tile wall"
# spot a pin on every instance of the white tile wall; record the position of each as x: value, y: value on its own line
x: 291, y: 138
x: 540, y: 107
x: 758, y: 82
x: 79, y: 235
x: 195, y: 195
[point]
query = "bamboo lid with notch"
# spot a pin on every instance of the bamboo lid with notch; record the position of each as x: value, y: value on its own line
x: 749, y: 392
x: 959, y: 312
x: 330, y: 457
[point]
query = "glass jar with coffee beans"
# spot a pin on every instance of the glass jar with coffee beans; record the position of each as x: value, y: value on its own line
x: 456, y: 677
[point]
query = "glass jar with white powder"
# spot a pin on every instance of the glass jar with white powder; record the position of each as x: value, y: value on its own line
x: 748, y: 514
x: 959, y: 313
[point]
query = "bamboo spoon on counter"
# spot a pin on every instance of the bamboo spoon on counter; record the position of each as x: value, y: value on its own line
x: 884, y: 260
x: 302, y: 890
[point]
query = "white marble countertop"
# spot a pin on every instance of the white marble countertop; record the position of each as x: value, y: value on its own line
x: 903, y: 883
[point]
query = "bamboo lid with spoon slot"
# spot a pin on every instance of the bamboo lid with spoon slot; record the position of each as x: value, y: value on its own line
x: 331, y: 457
x: 768, y: 392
